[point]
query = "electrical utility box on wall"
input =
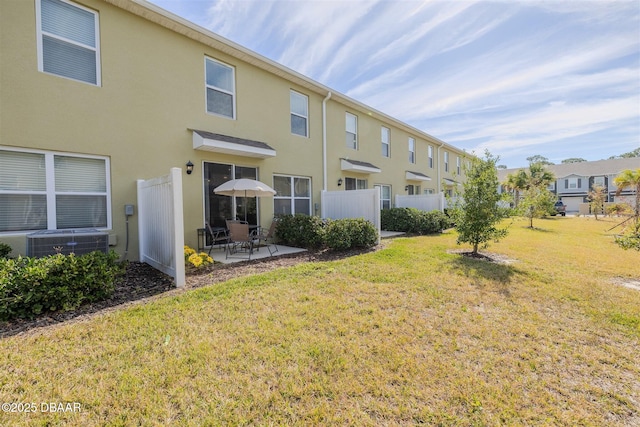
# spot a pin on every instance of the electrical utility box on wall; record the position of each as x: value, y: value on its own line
x: 77, y: 241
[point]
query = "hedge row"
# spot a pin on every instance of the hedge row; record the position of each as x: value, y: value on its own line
x: 30, y: 286
x: 311, y: 232
x: 412, y: 220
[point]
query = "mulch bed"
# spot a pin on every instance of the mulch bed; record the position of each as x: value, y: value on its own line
x: 142, y: 283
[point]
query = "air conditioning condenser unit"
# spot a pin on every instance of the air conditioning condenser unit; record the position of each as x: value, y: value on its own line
x: 77, y: 241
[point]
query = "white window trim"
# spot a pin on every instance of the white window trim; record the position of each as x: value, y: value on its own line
x: 207, y: 86
x: 40, y: 33
x: 446, y: 161
x: 306, y: 118
x: 356, y: 130
x: 388, y: 141
x: 430, y: 156
x: 51, y: 192
x: 598, y: 181
x: 412, y: 150
x: 458, y: 164
x: 572, y: 183
x: 293, y: 196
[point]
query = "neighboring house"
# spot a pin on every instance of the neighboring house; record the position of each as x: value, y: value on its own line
x: 575, y: 180
x: 97, y: 94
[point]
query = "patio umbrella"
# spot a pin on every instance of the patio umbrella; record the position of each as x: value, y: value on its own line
x: 245, y: 188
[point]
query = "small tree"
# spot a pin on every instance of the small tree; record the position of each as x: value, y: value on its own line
x: 597, y: 197
x: 631, y: 238
x: 537, y: 202
x: 477, y: 211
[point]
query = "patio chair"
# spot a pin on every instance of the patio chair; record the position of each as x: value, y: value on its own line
x: 269, y: 235
x: 239, y: 238
x: 218, y: 237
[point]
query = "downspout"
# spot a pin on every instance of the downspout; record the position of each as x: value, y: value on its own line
x: 324, y: 142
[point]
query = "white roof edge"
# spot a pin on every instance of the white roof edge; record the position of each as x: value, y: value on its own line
x: 260, y: 61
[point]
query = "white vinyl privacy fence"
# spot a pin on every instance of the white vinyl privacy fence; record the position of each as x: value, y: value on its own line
x: 160, y: 224
x: 353, y: 204
x: 423, y: 202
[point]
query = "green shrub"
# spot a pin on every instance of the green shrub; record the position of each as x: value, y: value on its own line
x: 302, y: 231
x: 411, y: 220
x: 30, y: 286
x: 350, y: 233
x: 5, y: 250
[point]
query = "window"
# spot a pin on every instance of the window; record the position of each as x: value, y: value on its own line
x: 412, y: 150
x: 446, y: 161
x: 355, y: 184
x: 220, y: 85
x: 430, y: 149
x: 299, y: 114
x: 429, y: 191
x: 572, y: 183
x: 293, y: 195
x: 385, y: 196
x: 68, y: 40
x: 352, y: 131
x: 43, y: 190
x: 385, y: 136
x: 598, y: 181
x: 458, y: 165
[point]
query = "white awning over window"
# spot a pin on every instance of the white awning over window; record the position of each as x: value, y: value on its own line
x: 416, y: 176
x: 357, y: 166
x: 217, y: 143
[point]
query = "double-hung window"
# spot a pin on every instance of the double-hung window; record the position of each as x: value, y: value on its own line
x: 458, y: 165
x: 412, y: 150
x: 68, y: 40
x: 598, y: 181
x: 352, y: 131
x: 44, y: 190
x: 385, y: 136
x: 293, y: 195
x: 446, y: 161
x: 430, y: 150
x: 299, y: 113
x: 221, y: 91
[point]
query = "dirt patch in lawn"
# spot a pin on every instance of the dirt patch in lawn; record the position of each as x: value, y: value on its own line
x: 486, y: 256
x: 627, y: 282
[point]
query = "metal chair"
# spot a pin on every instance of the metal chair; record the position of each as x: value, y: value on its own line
x: 218, y: 237
x: 269, y: 235
x: 239, y: 238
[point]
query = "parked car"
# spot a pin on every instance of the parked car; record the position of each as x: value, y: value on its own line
x: 559, y: 208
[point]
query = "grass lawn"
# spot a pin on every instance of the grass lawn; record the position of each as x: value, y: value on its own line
x: 407, y: 335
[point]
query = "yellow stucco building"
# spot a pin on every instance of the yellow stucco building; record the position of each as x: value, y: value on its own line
x: 96, y: 94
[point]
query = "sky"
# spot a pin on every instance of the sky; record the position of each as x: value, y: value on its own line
x: 556, y: 78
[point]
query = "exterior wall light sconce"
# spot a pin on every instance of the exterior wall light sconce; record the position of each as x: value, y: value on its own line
x: 406, y: 188
x: 339, y: 182
x: 189, y: 167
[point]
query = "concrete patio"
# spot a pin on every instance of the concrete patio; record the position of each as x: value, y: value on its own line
x: 219, y: 255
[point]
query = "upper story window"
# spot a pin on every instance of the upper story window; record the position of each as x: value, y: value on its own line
x: 598, y: 181
x: 352, y: 131
x: 299, y: 114
x: 430, y: 149
x: 458, y: 165
x: 221, y: 88
x: 572, y: 183
x: 446, y: 161
x: 68, y: 40
x: 385, y: 136
x: 42, y: 190
x: 412, y: 150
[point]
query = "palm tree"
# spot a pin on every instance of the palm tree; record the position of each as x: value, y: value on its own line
x: 537, y: 177
x: 629, y: 178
